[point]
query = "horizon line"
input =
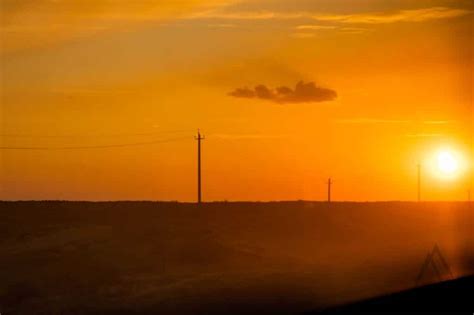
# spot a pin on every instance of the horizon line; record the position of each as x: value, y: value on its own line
x: 236, y: 201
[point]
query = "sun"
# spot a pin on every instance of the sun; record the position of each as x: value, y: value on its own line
x: 447, y: 163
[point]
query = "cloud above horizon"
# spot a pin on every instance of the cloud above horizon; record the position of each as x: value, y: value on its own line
x: 302, y: 93
x: 414, y: 15
x: 371, y: 120
x: 36, y: 23
x: 384, y: 17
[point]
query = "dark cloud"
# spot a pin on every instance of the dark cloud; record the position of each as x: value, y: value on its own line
x: 243, y: 92
x: 302, y: 93
x: 261, y: 91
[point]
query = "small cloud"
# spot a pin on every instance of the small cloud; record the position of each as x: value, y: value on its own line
x: 354, y: 30
x: 243, y: 92
x: 315, y: 27
x: 412, y: 15
x: 302, y: 93
x: 368, y: 120
x: 257, y: 15
x: 415, y: 15
x: 304, y: 31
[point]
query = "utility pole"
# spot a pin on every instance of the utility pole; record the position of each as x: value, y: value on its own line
x: 329, y: 189
x: 199, y: 138
x: 419, y: 181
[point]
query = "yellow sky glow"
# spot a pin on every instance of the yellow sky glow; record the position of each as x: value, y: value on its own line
x: 149, y: 73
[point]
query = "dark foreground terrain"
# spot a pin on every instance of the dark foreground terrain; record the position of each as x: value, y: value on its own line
x: 252, y: 258
x: 451, y: 296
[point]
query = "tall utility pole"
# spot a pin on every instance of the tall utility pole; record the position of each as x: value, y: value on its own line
x: 329, y: 189
x: 199, y: 138
x: 419, y: 181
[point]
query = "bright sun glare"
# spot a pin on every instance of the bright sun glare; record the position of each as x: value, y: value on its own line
x: 447, y: 164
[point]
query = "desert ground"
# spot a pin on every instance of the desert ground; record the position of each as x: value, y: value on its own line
x: 223, y: 257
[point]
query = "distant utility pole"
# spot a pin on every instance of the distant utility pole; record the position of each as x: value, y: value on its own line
x: 329, y: 189
x: 419, y: 181
x: 199, y: 138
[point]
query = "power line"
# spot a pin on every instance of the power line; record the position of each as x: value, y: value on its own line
x: 106, y: 146
x: 91, y: 135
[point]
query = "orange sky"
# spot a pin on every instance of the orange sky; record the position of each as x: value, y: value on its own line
x: 91, y: 73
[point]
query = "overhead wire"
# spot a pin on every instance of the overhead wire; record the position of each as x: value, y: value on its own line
x: 86, y: 147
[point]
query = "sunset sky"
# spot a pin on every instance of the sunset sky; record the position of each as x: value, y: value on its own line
x: 287, y: 94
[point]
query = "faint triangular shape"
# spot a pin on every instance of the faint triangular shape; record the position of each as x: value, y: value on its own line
x: 441, y: 267
x: 440, y: 256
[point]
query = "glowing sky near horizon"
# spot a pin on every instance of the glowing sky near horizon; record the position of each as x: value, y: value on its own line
x: 287, y: 93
